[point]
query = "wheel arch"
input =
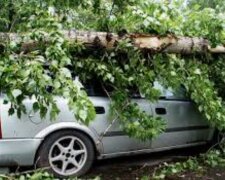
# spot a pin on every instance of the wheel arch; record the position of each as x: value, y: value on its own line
x: 59, y: 127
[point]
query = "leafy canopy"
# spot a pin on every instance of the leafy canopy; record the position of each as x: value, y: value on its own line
x: 51, y: 66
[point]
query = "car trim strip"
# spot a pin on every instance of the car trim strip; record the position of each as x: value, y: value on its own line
x: 189, y: 128
x: 0, y: 129
x: 168, y: 130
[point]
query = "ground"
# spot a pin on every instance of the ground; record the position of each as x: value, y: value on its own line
x: 141, y: 167
x: 137, y: 167
x: 138, y: 172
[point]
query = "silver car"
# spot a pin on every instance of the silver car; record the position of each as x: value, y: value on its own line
x: 68, y: 148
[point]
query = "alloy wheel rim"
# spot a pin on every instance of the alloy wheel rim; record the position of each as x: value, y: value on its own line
x: 67, y: 155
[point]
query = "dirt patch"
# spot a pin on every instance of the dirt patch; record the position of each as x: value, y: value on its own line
x: 136, y: 167
x: 122, y: 172
x: 138, y: 172
x: 217, y: 173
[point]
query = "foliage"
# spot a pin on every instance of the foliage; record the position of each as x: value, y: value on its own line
x: 194, y: 76
x: 215, y: 4
x: 48, y: 71
x: 36, y: 175
x: 29, y: 77
x: 213, y: 158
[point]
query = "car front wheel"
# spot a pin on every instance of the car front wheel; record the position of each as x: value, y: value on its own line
x: 66, y: 154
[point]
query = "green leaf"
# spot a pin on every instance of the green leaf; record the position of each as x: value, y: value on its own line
x: 11, y: 111
x: 16, y: 92
x: 82, y: 114
x: 35, y: 106
x: 66, y: 72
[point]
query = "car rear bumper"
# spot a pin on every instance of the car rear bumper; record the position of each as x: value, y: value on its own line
x: 18, y: 151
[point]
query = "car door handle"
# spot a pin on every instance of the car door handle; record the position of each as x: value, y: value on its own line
x: 99, y: 110
x: 160, y: 111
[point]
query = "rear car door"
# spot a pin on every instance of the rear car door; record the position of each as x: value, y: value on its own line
x: 185, y: 125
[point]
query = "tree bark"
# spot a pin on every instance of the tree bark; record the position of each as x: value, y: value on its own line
x: 146, y: 42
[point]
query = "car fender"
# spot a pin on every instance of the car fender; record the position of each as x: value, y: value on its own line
x: 72, y: 125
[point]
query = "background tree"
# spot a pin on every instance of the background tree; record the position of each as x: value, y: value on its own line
x: 206, y: 4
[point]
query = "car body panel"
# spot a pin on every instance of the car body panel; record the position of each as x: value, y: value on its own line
x: 148, y: 150
x: 185, y: 124
x: 18, y: 151
x: 120, y: 142
x: 22, y: 137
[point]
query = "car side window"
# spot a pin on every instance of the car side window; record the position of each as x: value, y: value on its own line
x: 170, y: 94
x: 95, y: 88
x: 134, y: 92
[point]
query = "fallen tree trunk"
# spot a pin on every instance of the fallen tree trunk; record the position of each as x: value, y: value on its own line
x: 146, y: 42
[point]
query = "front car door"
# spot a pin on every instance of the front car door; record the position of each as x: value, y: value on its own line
x: 111, y: 135
x: 185, y: 125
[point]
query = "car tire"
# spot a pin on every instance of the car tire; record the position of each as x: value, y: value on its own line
x: 66, y: 154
